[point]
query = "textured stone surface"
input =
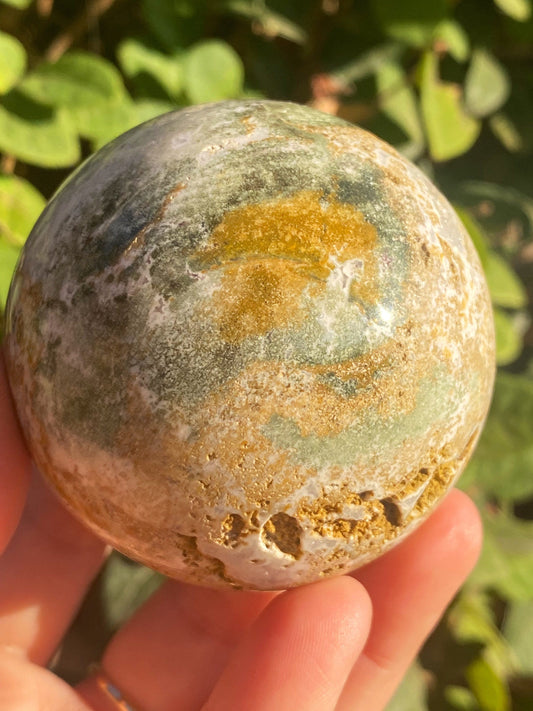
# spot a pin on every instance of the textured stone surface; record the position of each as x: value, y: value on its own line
x: 250, y: 345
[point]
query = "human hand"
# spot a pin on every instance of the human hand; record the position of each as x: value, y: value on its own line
x: 342, y: 644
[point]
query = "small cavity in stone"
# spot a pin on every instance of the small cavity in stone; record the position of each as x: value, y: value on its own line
x: 232, y: 527
x: 393, y: 512
x: 283, y: 532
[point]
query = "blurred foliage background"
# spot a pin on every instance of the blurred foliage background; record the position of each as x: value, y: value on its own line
x: 450, y: 84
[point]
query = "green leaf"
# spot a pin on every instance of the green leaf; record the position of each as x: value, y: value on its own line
x: 455, y: 40
x: 472, y: 620
x: 367, y: 63
x: 502, y: 195
x: 411, y: 695
x: 505, y: 287
x: 460, y: 698
x: 517, y: 631
x: 519, y: 10
x: 176, y: 23
x: 398, y: 102
x: 410, y: 21
x: 503, y: 461
x: 100, y: 127
x: 508, y: 338
x: 490, y: 691
x: 146, y: 109
x: 213, y: 72
x: 18, y: 4
x: 20, y: 206
x: 506, y: 562
x: 8, y: 259
x: 37, y: 134
x: 487, y: 86
x: 78, y: 80
x: 450, y: 130
x: 136, y: 58
x: 88, y: 89
x: 12, y: 62
x: 507, y: 133
x: 125, y: 587
x: 476, y: 234
x: 103, y: 125
x: 268, y: 22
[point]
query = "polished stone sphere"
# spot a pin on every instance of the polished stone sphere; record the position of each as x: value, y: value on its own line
x: 250, y: 345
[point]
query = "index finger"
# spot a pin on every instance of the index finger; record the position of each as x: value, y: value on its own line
x: 14, y: 463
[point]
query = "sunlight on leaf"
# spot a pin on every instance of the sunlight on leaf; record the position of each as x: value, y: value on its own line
x: 505, y: 130
x: 505, y: 287
x: 18, y: 4
x: 213, y: 72
x: 519, y: 10
x: 77, y: 80
x: 37, y: 134
x: 20, y: 206
x: 508, y: 338
x: 398, y: 102
x: 135, y: 58
x: 490, y: 691
x: 12, y: 62
x: 472, y: 619
x: 102, y: 128
x: 476, y: 234
x: 8, y: 259
x: 454, y: 38
x: 517, y: 631
x: 450, y: 130
x: 487, y: 85
x: 460, y: 698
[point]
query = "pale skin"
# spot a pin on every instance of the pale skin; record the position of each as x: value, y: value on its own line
x: 342, y: 644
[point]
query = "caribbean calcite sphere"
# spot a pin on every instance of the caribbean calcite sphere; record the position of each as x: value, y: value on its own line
x: 250, y: 345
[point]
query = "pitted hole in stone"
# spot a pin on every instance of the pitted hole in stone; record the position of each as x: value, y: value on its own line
x: 393, y: 512
x: 284, y: 533
x: 232, y: 527
x: 367, y: 495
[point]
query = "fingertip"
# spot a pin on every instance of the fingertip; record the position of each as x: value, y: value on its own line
x: 300, y: 650
x: 461, y: 514
x: 453, y: 534
x: 341, y: 603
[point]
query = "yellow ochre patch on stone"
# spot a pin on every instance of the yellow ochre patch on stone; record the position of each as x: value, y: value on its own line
x: 272, y: 251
